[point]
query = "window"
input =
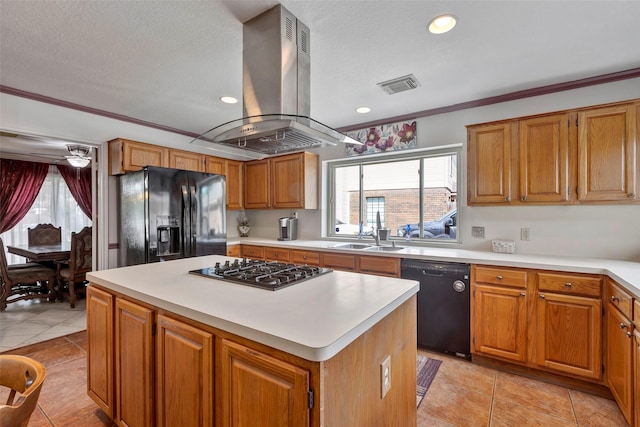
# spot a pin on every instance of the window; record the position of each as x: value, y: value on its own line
x: 54, y: 205
x: 415, y: 193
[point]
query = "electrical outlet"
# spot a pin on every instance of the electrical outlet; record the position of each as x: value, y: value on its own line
x: 294, y: 214
x: 477, y: 232
x: 385, y: 376
x: 525, y: 233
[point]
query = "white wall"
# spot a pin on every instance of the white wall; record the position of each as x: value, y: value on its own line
x: 611, y: 231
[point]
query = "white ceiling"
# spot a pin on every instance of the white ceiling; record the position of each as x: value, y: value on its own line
x: 169, y: 62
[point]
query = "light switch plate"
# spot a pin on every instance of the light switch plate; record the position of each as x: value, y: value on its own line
x: 385, y: 376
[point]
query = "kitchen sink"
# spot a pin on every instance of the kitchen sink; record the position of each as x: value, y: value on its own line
x: 352, y: 246
x: 384, y: 248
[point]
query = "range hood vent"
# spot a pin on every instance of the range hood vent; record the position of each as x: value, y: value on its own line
x: 275, y: 86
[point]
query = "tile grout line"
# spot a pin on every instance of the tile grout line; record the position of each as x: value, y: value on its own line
x: 573, y: 408
x: 493, y: 397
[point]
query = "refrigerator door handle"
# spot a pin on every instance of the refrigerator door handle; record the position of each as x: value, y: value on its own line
x: 194, y: 219
x: 186, y: 218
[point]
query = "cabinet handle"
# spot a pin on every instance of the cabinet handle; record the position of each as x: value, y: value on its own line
x: 507, y: 199
x: 614, y: 298
x: 499, y: 277
x: 522, y: 294
x: 541, y: 296
x: 568, y: 285
x: 524, y: 198
x: 629, y: 334
x: 632, y: 195
x: 623, y: 326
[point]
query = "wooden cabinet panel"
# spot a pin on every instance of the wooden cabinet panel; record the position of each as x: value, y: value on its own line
x: 254, y: 252
x: 500, y: 276
x: 305, y: 257
x: 184, y: 373
x: 619, y: 298
x: 636, y: 376
x: 186, y: 160
x: 339, y: 261
x: 607, y: 159
x: 277, y: 254
x: 233, y: 250
x: 499, y: 322
x: 235, y: 186
x: 257, y: 191
x: 379, y: 265
x: 569, y: 334
x: 129, y: 156
x: 100, y: 374
x: 544, y: 159
x: 619, y: 365
x: 259, y: 390
x: 575, y: 284
x: 134, y: 364
x: 215, y: 165
x: 489, y: 163
x: 294, y: 181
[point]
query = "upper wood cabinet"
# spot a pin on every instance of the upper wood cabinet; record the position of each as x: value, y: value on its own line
x: 544, y: 159
x: 489, y: 161
x: 607, y: 154
x: 186, y: 160
x: 289, y: 181
x: 578, y: 156
x: 232, y: 170
x: 130, y: 156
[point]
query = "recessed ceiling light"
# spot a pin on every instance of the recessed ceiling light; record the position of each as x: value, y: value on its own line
x: 363, y: 110
x: 442, y: 24
x: 228, y: 99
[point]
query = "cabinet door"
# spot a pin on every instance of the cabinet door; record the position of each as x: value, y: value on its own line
x: 134, y: 364
x: 258, y: 390
x: 305, y: 257
x: 489, y: 163
x: 499, y: 322
x: 184, y: 374
x: 277, y: 254
x: 287, y: 190
x: 100, y: 348
x: 544, y: 159
x: 214, y: 165
x: 233, y: 171
x: 257, y: 188
x: 607, y: 160
x: 380, y: 266
x: 636, y: 376
x: 254, y: 252
x: 339, y: 261
x: 130, y: 156
x: 186, y: 160
x: 569, y: 334
x: 619, y: 353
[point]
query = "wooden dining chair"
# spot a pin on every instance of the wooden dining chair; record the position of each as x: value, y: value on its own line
x: 75, y: 272
x: 24, y: 283
x: 44, y: 234
x: 24, y: 376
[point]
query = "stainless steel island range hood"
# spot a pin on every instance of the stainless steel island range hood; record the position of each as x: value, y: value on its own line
x: 275, y: 85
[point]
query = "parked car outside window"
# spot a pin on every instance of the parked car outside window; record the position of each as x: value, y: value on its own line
x: 351, y: 229
x: 441, y: 228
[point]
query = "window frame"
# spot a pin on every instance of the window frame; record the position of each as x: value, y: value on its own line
x: 414, y: 154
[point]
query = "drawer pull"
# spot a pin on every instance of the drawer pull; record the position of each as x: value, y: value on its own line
x: 522, y: 294
x: 614, y: 298
x: 507, y: 199
x: 568, y: 285
x: 623, y: 326
x: 499, y: 277
x: 632, y: 195
x: 542, y: 296
x: 629, y: 334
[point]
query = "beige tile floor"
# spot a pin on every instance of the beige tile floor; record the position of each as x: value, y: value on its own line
x: 27, y: 322
x: 466, y: 394
x: 462, y: 394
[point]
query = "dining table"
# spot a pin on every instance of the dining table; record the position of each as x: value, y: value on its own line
x: 39, y: 253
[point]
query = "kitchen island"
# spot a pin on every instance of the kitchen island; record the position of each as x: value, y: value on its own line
x: 167, y: 347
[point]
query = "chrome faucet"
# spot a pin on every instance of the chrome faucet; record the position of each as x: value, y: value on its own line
x: 376, y: 236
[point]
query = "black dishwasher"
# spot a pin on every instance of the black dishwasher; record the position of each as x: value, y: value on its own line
x: 443, y: 305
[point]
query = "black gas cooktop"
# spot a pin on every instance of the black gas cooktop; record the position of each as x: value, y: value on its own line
x: 261, y: 274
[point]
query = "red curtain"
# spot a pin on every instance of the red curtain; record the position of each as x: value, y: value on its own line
x: 20, y: 184
x: 79, y: 182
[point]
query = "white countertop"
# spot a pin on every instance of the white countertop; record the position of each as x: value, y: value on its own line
x: 626, y: 273
x: 314, y: 319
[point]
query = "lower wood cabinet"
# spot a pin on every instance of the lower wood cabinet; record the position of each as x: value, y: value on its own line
x: 636, y: 376
x: 381, y: 266
x: 259, y: 390
x: 339, y: 261
x: 100, y: 345
x: 277, y: 254
x: 305, y: 257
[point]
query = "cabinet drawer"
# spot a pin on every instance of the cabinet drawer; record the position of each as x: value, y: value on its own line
x: 305, y: 257
x: 339, y: 262
x: 233, y: 250
x: 636, y: 318
x: 570, y: 284
x: 620, y: 298
x: 379, y: 265
x: 256, y: 252
x: 277, y: 254
x: 500, y: 276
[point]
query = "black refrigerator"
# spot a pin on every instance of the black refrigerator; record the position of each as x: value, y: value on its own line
x: 168, y: 214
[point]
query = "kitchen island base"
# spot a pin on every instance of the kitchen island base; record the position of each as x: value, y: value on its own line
x: 171, y: 367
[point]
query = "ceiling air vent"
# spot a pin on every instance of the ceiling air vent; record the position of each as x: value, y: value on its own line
x: 399, y: 84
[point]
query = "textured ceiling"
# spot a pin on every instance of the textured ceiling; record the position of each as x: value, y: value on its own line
x: 169, y: 62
